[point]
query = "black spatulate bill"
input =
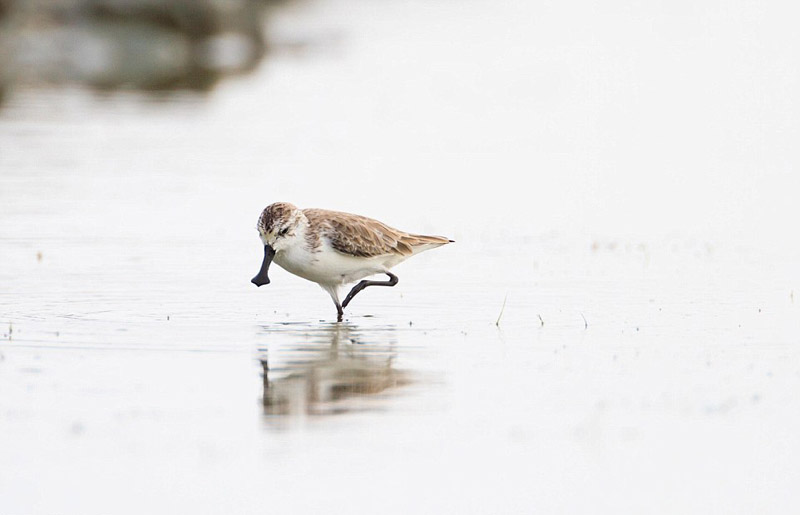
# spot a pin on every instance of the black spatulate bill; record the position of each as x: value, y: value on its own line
x: 262, y: 278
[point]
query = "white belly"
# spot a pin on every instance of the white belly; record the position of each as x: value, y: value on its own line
x: 329, y: 267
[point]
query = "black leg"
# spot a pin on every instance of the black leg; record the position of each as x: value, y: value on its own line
x: 339, y: 312
x: 363, y: 284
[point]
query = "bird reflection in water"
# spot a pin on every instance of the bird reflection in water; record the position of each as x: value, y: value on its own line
x: 329, y: 369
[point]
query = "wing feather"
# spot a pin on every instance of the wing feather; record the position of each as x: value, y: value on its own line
x: 360, y: 236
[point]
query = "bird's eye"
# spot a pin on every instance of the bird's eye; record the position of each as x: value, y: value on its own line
x: 283, y: 231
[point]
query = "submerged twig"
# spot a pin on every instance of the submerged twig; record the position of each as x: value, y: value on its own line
x: 541, y: 320
x: 585, y: 323
x: 497, y: 323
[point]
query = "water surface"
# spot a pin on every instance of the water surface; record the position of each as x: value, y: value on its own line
x: 616, y: 328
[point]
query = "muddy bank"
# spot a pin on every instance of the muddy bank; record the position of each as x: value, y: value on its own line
x: 149, y: 45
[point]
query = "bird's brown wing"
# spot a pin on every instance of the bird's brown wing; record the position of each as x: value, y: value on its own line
x: 360, y: 236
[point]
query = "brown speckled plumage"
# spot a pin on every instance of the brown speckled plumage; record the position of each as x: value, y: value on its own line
x: 359, y: 236
x: 276, y: 213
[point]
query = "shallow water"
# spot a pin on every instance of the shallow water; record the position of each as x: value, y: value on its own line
x: 563, y: 356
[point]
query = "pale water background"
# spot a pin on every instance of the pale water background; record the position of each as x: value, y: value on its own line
x: 623, y: 178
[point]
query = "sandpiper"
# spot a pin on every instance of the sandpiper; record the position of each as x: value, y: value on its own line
x: 333, y: 249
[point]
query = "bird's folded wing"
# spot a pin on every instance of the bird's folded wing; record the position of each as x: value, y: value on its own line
x: 360, y: 236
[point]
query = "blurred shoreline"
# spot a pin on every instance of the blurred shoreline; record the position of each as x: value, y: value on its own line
x: 144, y: 45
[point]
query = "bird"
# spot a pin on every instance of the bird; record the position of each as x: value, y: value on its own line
x: 334, y: 249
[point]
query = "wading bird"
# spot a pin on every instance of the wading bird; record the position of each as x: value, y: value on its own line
x: 334, y: 249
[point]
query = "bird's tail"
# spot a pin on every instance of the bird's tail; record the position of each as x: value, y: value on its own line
x: 415, y: 243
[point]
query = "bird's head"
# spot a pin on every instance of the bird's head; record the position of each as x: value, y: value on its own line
x: 278, y: 229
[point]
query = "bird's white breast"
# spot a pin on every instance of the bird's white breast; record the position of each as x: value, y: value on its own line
x: 328, y: 266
